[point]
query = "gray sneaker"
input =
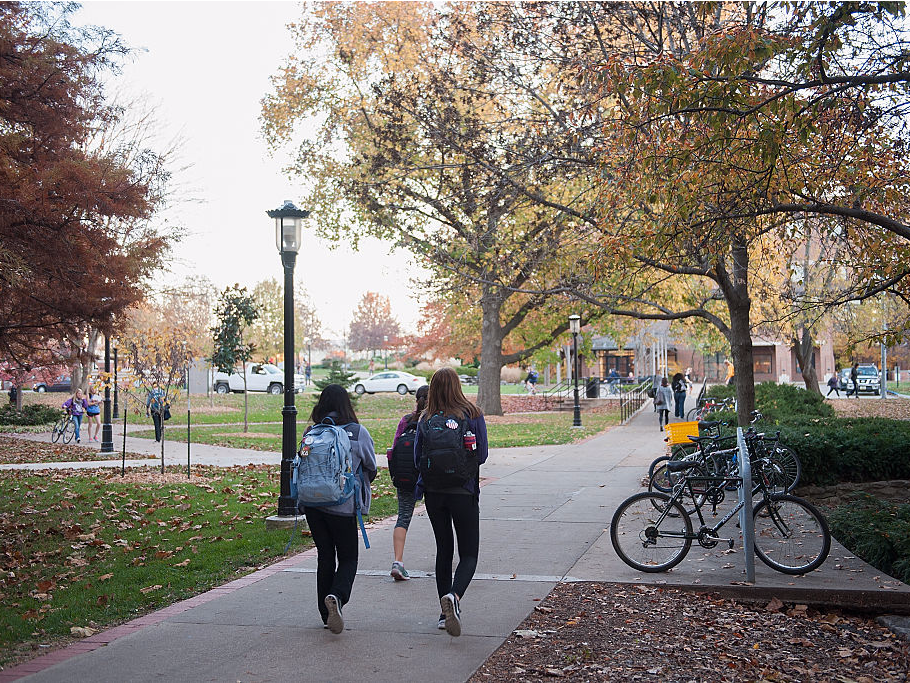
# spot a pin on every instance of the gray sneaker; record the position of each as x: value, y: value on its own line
x: 335, y: 621
x: 399, y: 573
x: 441, y: 624
x: 452, y: 612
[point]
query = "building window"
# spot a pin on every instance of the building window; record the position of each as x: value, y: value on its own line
x: 762, y: 361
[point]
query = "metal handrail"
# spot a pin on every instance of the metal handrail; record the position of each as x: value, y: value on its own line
x: 631, y: 401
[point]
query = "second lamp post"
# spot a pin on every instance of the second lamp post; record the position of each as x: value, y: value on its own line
x: 575, y: 328
x: 288, y: 226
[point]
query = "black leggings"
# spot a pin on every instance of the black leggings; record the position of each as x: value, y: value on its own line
x: 334, y: 535
x: 461, y: 511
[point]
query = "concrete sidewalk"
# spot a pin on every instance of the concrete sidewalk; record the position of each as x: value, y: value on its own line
x: 545, y: 515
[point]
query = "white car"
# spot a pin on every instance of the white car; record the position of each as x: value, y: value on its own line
x: 389, y: 380
x: 259, y: 377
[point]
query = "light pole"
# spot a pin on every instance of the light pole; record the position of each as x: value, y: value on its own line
x: 385, y: 350
x: 575, y: 328
x: 116, y: 406
x: 107, y: 430
x: 288, y: 225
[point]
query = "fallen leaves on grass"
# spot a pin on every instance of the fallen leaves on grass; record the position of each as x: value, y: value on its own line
x: 609, y: 632
x: 20, y: 451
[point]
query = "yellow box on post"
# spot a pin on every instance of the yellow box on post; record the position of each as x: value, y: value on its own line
x: 679, y: 432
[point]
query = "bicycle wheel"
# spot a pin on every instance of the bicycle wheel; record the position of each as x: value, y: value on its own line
x: 791, y: 536
x: 647, y: 539
x: 69, y: 431
x: 57, y: 431
x: 787, y: 460
x: 693, y: 414
x: 657, y: 462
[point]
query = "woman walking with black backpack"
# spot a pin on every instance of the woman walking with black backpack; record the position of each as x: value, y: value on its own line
x: 404, y: 477
x: 451, y: 445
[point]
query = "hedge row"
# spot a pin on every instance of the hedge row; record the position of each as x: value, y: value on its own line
x: 877, y: 531
x: 36, y: 414
x: 831, y: 449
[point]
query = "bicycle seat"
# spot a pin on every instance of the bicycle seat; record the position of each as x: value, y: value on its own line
x: 681, y: 465
x: 700, y: 439
x: 709, y: 424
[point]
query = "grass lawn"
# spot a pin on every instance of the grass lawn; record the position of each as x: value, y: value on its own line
x: 503, y: 432
x: 89, y: 549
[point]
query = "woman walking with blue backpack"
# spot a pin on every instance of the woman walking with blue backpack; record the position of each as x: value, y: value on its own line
x: 450, y: 446
x: 334, y: 526
x: 404, y: 477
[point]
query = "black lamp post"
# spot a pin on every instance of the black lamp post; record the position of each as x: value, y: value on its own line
x: 288, y: 225
x: 107, y: 430
x: 575, y: 328
x: 116, y: 406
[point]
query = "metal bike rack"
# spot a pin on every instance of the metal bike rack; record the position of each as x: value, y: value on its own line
x: 746, y: 523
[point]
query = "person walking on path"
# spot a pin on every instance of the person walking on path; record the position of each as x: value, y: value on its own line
x: 679, y: 395
x: 854, y: 381
x: 731, y: 373
x: 93, y: 413
x: 832, y: 386
x: 308, y: 373
x: 77, y: 406
x: 404, y: 476
x: 662, y: 400
x: 334, y: 528
x: 154, y: 406
x: 451, y: 503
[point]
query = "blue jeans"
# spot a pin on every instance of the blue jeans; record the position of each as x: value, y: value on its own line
x: 77, y: 418
x: 680, y: 397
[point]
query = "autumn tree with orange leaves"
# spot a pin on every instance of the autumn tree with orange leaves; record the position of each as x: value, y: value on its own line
x: 76, y: 247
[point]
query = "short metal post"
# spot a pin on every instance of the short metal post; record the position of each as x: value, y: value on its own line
x: 746, y: 523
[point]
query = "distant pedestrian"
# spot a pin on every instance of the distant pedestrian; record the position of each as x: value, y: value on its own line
x: 372, y: 365
x: 452, y: 500
x: 334, y: 528
x: 155, y: 403
x: 730, y: 378
x: 77, y: 407
x: 12, y: 394
x: 308, y: 373
x: 404, y: 476
x: 93, y: 413
x: 679, y: 387
x: 832, y: 386
x: 854, y: 381
x: 531, y: 381
x: 690, y: 385
x: 662, y: 401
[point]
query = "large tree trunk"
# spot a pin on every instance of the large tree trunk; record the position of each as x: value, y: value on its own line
x: 488, y: 387
x: 805, y: 351
x: 740, y: 336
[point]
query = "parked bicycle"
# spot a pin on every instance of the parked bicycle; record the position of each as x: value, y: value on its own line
x: 710, y: 405
x: 653, y: 531
x: 65, y: 428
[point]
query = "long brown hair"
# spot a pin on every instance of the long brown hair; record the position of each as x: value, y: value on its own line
x: 446, y: 396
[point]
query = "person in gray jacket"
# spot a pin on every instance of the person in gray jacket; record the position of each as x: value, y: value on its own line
x: 662, y: 402
x: 334, y: 529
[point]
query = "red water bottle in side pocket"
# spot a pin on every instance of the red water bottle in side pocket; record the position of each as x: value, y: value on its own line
x: 470, y: 441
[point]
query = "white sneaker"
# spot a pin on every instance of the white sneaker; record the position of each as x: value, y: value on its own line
x: 399, y: 573
x: 335, y: 621
x: 452, y: 612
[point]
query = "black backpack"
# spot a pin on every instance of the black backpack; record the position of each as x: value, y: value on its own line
x: 444, y: 461
x: 401, y: 462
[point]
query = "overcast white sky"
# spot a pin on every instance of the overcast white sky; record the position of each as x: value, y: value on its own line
x: 206, y: 66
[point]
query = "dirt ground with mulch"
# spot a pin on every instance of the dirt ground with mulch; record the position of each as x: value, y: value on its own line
x: 614, y: 632
x: 894, y: 408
